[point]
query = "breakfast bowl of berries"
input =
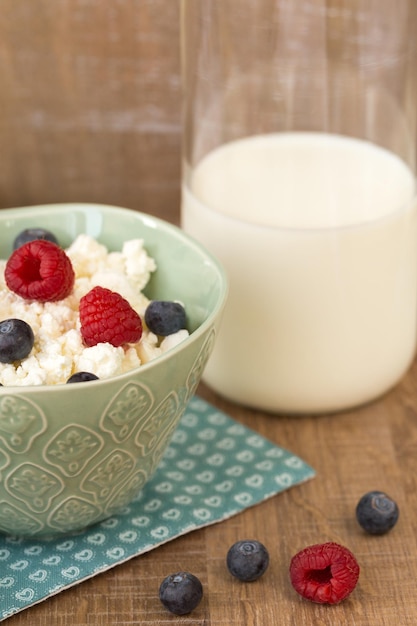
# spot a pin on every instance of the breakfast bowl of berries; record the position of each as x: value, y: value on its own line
x: 107, y: 319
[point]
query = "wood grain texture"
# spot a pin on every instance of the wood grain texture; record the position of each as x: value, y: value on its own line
x: 90, y: 103
x: 373, y: 447
x: 90, y: 111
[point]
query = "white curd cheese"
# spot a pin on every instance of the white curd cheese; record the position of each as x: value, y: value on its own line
x: 58, y: 351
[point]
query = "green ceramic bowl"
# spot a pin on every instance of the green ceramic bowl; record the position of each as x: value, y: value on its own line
x: 72, y: 455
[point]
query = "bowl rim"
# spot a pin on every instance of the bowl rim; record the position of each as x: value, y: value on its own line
x: 148, y: 220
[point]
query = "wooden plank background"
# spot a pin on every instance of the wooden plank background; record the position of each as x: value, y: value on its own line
x: 90, y: 103
x: 90, y: 111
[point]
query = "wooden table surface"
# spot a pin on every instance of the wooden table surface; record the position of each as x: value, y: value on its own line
x: 373, y: 447
x: 90, y: 111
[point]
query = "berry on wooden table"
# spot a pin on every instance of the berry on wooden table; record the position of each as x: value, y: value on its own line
x: 181, y: 593
x: 40, y: 270
x: 16, y: 340
x: 106, y: 316
x: 247, y: 560
x: 377, y: 513
x: 326, y: 573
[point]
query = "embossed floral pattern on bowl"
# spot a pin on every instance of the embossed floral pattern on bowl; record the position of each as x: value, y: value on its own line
x: 72, y: 455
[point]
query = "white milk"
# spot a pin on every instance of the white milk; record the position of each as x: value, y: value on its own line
x: 318, y: 235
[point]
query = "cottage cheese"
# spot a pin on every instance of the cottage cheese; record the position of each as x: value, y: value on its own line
x: 58, y: 351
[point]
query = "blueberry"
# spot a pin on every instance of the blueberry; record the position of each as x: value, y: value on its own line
x: 164, y: 317
x: 247, y: 560
x: 376, y: 512
x: 31, y: 234
x: 81, y: 377
x: 16, y: 340
x: 180, y: 593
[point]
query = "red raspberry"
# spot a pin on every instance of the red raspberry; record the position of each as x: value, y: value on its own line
x: 326, y: 573
x: 40, y: 270
x: 107, y: 317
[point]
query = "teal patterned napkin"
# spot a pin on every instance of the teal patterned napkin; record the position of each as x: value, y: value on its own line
x: 213, y: 469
